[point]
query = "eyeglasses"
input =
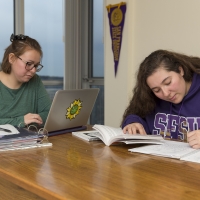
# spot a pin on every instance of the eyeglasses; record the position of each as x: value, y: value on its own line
x: 30, y: 65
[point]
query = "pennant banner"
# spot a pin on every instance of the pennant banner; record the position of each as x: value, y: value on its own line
x: 116, y: 15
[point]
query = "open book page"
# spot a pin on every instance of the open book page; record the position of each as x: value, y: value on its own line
x: 170, y: 149
x: 142, y: 141
x: 111, y: 135
x: 85, y: 135
x: 8, y: 127
x: 192, y: 157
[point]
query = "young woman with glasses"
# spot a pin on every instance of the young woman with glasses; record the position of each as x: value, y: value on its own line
x: 23, y: 98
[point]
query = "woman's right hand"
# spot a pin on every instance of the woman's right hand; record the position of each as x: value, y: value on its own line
x: 134, y: 128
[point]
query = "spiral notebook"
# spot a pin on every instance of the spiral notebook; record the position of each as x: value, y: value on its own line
x: 70, y: 110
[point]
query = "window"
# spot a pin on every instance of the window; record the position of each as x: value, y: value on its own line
x: 46, y: 26
x: 98, y: 48
x: 6, y: 24
x: 97, y: 71
x: 47, y: 22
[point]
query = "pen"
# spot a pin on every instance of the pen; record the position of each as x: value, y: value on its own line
x: 6, y: 130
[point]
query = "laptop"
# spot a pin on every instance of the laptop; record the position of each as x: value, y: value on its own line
x: 70, y: 110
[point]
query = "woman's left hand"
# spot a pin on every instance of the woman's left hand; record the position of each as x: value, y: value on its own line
x: 193, y: 139
x: 32, y: 118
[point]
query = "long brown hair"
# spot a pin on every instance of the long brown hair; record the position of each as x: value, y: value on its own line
x: 143, y: 100
x: 18, y: 47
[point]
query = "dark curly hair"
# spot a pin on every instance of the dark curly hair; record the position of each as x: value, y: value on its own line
x: 143, y: 101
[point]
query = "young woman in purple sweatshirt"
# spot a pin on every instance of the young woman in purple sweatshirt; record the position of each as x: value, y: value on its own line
x: 166, y: 98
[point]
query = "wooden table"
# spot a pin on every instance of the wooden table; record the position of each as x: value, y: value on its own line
x: 76, y: 169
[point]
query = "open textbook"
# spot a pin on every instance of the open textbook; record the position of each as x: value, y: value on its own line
x: 110, y: 135
x: 171, y: 149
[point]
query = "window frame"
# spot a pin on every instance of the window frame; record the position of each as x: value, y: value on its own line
x: 78, y: 61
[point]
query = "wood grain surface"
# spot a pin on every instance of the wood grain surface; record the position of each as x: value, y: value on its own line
x: 76, y: 169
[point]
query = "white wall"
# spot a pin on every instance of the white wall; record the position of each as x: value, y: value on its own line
x: 149, y: 25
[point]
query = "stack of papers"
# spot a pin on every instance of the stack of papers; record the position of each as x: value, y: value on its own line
x: 13, y: 138
x: 171, y: 149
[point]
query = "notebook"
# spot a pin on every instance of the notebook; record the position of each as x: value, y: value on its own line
x: 70, y: 110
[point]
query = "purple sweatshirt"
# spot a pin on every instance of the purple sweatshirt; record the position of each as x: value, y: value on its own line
x: 173, y: 120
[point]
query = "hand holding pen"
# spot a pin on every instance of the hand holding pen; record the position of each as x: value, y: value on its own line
x: 193, y: 139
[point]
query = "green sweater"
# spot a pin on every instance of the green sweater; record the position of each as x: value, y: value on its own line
x: 31, y: 97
